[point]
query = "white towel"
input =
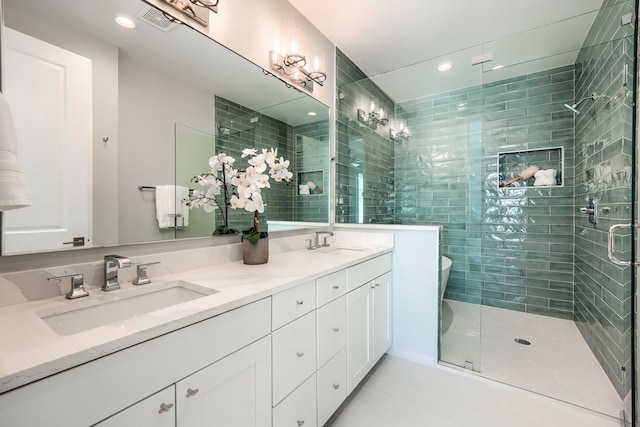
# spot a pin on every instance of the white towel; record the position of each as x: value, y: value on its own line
x: 14, y: 190
x: 170, y: 211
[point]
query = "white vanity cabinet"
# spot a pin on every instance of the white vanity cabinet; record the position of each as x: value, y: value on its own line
x: 369, y: 316
x: 115, y: 384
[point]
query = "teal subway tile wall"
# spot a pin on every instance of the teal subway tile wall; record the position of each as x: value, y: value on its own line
x: 238, y: 127
x: 511, y: 247
x: 365, y: 153
x: 603, y: 291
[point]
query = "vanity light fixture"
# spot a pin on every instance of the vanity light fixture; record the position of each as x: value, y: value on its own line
x: 200, y: 13
x: 497, y: 67
x: 399, y: 135
x: 372, y: 117
x: 445, y: 66
x: 292, y: 64
x: 312, y: 113
x: 125, y: 22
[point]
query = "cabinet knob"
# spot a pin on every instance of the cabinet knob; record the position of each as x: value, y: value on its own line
x: 373, y: 286
x: 336, y: 386
x: 300, y: 423
x: 192, y: 392
x: 300, y: 354
x: 299, y: 302
x: 336, y: 329
x: 164, y: 407
x: 336, y: 286
x: 378, y: 284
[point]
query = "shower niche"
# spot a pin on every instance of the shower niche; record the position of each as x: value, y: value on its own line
x: 540, y: 168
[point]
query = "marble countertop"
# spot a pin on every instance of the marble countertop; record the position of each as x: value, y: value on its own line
x: 31, y: 350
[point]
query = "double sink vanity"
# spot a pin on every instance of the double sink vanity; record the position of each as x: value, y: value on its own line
x: 280, y: 344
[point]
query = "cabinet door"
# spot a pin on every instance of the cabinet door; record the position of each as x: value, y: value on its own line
x: 157, y: 410
x: 235, y: 391
x: 381, y: 315
x: 359, y: 335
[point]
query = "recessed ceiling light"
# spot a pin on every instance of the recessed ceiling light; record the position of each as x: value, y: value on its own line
x: 125, y: 22
x: 311, y: 113
x: 497, y: 67
x: 445, y: 66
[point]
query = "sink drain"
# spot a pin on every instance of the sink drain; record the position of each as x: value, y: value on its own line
x: 522, y: 341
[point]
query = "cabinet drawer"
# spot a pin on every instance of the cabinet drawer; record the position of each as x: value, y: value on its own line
x: 294, y: 355
x: 299, y: 408
x: 365, y: 272
x: 293, y: 303
x: 157, y: 410
x: 331, y: 286
x: 332, y: 386
x: 332, y: 329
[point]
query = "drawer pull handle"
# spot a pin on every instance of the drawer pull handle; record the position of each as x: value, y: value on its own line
x: 165, y: 407
x: 300, y: 423
x: 299, y: 302
x: 373, y: 286
x: 192, y: 392
x: 336, y: 386
x: 336, y: 329
x: 377, y: 284
x: 300, y: 354
x: 336, y: 286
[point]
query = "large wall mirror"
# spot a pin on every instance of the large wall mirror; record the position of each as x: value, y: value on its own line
x: 106, y: 114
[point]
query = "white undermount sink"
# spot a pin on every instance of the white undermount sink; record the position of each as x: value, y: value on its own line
x: 331, y: 249
x: 78, y: 316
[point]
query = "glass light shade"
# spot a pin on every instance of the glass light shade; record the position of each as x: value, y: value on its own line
x: 317, y: 59
x: 293, y: 48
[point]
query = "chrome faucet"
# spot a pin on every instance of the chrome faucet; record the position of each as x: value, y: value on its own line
x: 324, y: 243
x: 111, y: 265
x: 77, y: 285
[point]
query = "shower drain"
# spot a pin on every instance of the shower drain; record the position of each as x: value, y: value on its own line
x: 522, y: 341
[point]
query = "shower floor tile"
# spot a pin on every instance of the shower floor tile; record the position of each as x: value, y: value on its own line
x: 558, y: 363
x: 401, y: 393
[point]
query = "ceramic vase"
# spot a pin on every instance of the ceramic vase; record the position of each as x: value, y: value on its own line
x: 255, y: 254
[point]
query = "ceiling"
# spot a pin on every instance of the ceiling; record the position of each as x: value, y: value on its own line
x: 400, y: 44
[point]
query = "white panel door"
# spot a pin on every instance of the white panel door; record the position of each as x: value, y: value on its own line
x: 49, y: 92
x: 233, y: 392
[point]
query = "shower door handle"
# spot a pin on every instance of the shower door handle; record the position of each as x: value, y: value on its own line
x: 611, y: 245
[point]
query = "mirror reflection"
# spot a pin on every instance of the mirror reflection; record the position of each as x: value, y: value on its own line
x: 137, y: 102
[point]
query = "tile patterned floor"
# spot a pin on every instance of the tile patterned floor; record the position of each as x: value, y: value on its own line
x: 558, y: 363
x: 401, y: 393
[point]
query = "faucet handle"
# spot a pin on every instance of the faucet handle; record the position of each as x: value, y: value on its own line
x: 141, y: 273
x: 77, y: 285
x: 311, y: 245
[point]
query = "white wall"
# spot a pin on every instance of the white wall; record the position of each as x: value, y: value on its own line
x: 416, y: 300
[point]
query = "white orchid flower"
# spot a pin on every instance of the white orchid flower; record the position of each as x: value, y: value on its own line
x: 236, y: 202
x: 262, y: 181
x: 248, y: 152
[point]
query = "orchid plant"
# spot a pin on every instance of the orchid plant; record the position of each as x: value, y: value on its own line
x: 239, y: 188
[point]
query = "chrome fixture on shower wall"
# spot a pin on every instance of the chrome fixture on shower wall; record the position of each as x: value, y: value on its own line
x: 373, y: 117
x: 574, y: 107
x: 400, y: 135
x: 291, y: 62
x: 200, y: 13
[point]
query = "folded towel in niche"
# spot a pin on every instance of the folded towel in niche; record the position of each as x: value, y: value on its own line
x: 170, y: 211
x: 545, y: 177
